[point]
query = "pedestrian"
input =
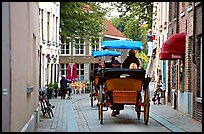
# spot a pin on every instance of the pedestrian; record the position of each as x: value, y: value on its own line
x: 115, y: 63
x: 149, y: 41
x: 131, y: 59
x: 63, y: 85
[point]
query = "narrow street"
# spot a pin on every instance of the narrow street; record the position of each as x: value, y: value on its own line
x: 87, y: 120
x: 77, y: 115
x: 147, y: 54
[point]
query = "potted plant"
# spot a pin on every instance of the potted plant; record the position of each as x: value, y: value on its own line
x: 49, y: 91
x: 55, y: 86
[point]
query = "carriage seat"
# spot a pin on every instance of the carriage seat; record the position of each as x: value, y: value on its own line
x: 138, y: 74
x: 123, y: 79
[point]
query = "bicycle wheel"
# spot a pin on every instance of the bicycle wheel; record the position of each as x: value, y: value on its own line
x: 50, y: 113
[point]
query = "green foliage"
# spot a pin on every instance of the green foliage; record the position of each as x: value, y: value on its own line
x: 50, y: 86
x: 137, y: 10
x: 141, y: 55
x: 75, y: 22
x: 55, y: 85
x: 134, y: 22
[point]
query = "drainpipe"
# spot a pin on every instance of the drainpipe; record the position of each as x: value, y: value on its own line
x: 193, y: 55
x: 190, y: 94
x: 177, y: 18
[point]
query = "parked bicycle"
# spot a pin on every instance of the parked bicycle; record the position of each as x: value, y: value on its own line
x: 46, y: 107
x: 157, y: 95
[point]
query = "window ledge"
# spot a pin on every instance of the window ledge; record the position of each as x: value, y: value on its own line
x: 197, y: 3
x: 182, y: 14
x: 169, y: 24
x: 190, y: 8
x: 199, y: 99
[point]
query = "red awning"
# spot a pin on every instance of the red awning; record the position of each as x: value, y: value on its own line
x: 173, y: 48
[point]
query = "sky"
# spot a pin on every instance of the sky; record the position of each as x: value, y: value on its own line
x: 113, y: 12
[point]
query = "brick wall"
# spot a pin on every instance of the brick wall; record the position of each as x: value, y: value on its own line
x: 192, y: 71
x: 197, y: 107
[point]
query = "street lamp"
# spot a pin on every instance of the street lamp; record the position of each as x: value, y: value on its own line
x: 48, y: 58
x: 54, y: 59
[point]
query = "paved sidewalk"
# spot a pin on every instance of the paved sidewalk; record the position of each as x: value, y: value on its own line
x: 64, y: 118
x: 173, y: 119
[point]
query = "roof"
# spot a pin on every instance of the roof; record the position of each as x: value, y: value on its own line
x: 112, y: 31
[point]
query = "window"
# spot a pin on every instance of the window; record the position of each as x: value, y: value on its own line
x: 56, y: 36
x: 95, y: 44
x: 175, y: 10
x: 80, y: 71
x: 53, y: 30
x: 65, y: 48
x: 79, y: 46
x: 170, y: 11
x: 182, y: 6
x: 63, y: 69
x: 41, y: 16
x: 199, y: 65
x: 62, y: 49
x: 190, y: 4
x: 48, y: 26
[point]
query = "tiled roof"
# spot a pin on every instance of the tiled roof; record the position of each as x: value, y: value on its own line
x: 112, y: 31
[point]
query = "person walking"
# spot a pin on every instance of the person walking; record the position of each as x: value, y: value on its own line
x: 63, y: 85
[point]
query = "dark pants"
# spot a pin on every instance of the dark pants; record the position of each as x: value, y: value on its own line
x: 69, y: 91
x: 63, y: 93
x: 55, y: 93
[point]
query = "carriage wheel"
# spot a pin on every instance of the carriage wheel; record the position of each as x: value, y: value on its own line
x: 101, y: 113
x: 146, y: 106
x: 91, y: 95
x: 138, y: 110
x: 100, y: 104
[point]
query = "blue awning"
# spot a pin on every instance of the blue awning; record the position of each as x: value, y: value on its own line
x: 105, y: 53
x: 122, y: 44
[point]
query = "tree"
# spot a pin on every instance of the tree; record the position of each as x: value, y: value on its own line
x: 137, y: 10
x: 134, y: 21
x: 81, y: 19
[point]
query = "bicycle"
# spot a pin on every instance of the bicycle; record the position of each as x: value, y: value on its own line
x: 157, y: 94
x: 46, y: 107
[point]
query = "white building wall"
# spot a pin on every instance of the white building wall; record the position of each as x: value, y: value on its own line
x: 160, y: 29
x: 50, y: 45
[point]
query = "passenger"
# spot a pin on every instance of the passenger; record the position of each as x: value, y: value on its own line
x: 101, y: 64
x: 133, y: 66
x: 131, y: 59
x: 115, y: 63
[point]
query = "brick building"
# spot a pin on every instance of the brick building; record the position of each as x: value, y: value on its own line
x: 184, y: 84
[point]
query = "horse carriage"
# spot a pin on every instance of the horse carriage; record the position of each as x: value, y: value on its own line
x: 122, y: 86
x: 97, y: 72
